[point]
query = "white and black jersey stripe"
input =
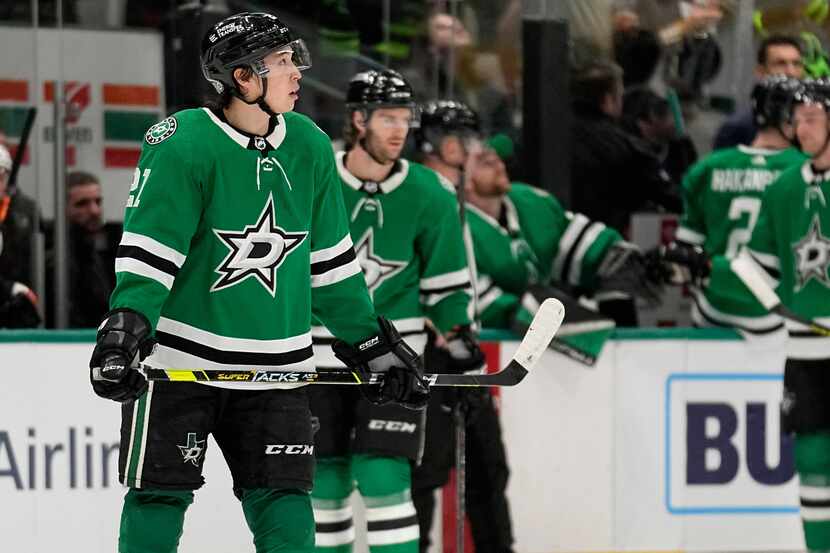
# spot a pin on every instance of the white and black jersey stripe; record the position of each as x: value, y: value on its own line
x: 574, y: 244
x: 704, y: 314
x: 685, y: 234
x: 334, y: 264
x: 436, y: 288
x: 147, y: 257
x: 488, y: 292
x: 185, y: 346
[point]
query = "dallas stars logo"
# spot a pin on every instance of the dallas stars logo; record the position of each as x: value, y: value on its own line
x: 193, y: 450
x: 376, y: 270
x: 256, y: 252
x: 812, y: 256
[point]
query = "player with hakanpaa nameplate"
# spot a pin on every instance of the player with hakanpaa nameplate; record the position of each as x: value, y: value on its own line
x: 791, y: 246
x: 722, y: 197
x: 234, y: 234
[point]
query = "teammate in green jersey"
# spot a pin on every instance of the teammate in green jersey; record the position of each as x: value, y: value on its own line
x: 409, y: 244
x: 722, y: 198
x: 522, y: 239
x: 234, y: 234
x: 792, y: 251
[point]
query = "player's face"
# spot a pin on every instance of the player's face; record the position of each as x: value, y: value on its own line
x: 283, y: 81
x: 386, y: 132
x: 810, y: 123
x: 489, y: 175
x: 83, y: 206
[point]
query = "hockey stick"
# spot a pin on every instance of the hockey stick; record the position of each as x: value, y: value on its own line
x: 21, y: 146
x: 535, y: 342
x: 745, y: 269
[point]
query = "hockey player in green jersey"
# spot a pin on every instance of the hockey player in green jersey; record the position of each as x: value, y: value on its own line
x: 409, y: 244
x: 722, y: 198
x: 234, y: 234
x: 792, y: 251
x: 522, y: 239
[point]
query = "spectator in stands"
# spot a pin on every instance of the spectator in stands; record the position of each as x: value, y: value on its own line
x: 18, y: 304
x: 91, y: 253
x: 648, y: 116
x: 777, y: 55
x: 613, y: 173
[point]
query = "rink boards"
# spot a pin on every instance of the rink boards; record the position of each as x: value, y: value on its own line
x: 670, y: 443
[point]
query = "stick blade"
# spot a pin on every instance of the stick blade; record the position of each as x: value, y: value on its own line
x: 542, y: 329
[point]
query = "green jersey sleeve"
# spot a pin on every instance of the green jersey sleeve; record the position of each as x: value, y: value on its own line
x: 445, y: 279
x: 163, y: 211
x: 495, y: 306
x: 340, y: 299
x: 692, y: 227
x: 581, y: 247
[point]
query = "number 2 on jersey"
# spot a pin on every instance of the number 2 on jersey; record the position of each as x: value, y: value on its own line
x: 740, y: 236
x: 134, y: 198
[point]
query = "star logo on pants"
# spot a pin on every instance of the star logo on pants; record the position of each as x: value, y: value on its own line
x: 257, y: 251
x: 193, y: 450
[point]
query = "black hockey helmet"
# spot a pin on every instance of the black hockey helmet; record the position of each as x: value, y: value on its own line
x: 440, y: 118
x: 243, y: 40
x: 813, y: 91
x: 373, y: 89
x: 772, y: 99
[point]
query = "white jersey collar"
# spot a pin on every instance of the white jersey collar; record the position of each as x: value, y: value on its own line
x: 391, y: 183
x: 274, y: 139
x: 513, y: 227
x: 810, y: 176
x: 757, y: 151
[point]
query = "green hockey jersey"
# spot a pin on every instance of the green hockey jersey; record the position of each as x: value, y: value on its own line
x: 408, y: 240
x: 722, y: 199
x: 791, y: 242
x: 535, y: 241
x: 231, y: 241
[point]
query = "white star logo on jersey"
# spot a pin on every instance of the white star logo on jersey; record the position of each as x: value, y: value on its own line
x: 376, y: 270
x: 256, y: 252
x: 812, y: 254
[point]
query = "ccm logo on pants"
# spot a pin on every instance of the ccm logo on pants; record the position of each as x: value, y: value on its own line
x: 291, y: 449
x: 392, y: 426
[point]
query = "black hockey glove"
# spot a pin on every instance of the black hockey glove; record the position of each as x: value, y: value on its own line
x: 685, y: 263
x: 387, y: 353
x: 123, y: 340
x: 460, y: 354
x: 623, y: 269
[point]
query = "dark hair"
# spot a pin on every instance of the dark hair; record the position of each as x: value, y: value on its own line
x: 350, y: 132
x: 776, y: 40
x: 78, y: 178
x: 592, y: 82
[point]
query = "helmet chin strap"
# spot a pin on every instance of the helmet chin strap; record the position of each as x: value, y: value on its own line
x: 260, y: 102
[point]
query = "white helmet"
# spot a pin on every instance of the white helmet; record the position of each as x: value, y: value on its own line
x: 5, y: 159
